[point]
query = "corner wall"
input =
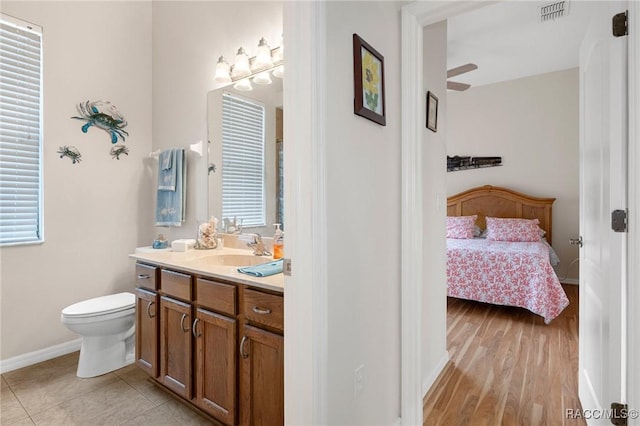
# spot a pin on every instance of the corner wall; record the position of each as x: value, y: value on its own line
x: 434, y: 293
x: 532, y: 123
x: 94, y: 211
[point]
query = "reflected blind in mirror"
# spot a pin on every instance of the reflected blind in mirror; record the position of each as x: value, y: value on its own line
x: 20, y: 132
x: 243, y: 170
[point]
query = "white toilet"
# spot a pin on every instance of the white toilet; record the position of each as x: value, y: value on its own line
x: 107, y: 327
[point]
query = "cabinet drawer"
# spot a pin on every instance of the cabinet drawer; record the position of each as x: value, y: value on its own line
x: 146, y: 276
x: 176, y: 284
x: 216, y: 296
x: 264, y: 308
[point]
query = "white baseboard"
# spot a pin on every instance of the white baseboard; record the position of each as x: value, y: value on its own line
x: 431, y: 378
x: 40, y: 355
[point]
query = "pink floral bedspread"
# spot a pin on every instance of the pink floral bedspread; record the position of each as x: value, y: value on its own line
x: 505, y: 273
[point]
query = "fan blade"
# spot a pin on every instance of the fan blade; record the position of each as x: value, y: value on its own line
x: 461, y: 69
x: 460, y: 87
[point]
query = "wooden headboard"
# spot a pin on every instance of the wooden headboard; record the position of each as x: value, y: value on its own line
x: 494, y: 201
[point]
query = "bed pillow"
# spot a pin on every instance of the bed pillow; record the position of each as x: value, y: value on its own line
x: 499, y: 229
x: 461, y: 227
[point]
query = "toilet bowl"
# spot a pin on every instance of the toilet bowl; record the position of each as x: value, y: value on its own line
x: 107, y: 327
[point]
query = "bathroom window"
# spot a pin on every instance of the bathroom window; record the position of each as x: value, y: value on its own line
x: 243, y: 168
x: 20, y: 132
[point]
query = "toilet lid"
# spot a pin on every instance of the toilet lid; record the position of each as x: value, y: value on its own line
x: 101, y: 305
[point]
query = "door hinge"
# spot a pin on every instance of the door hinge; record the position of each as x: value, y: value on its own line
x: 619, y: 24
x: 619, y: 220
x: 619, y: 414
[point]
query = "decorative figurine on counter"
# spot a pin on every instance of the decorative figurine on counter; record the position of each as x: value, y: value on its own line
x: 207, y: 234
x: 160, y: 242
x: 104, y: 115
x: 71, y: 152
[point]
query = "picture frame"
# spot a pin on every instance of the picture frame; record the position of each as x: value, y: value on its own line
x: 432, y: 112
x: 368, y: 81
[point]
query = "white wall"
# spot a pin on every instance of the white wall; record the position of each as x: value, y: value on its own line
x: 94, y: 211
x: 184, y: 60
x: 434, y: 292
x: 532, y: 123
x: 363, y: 209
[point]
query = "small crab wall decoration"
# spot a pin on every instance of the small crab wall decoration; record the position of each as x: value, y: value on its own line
x: 71, y: 152
x: 118, y: 150
x: 104, y: 115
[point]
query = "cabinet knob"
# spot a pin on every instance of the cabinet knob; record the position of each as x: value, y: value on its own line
x: 149, y: 310
x: 193, y: 328
x: 242, y: 353
x: 184, y: 316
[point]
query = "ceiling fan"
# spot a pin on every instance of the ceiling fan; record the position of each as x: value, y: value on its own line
x: 452, y: 85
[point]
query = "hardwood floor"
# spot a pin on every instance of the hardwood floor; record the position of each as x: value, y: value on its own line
x: 507, y: 367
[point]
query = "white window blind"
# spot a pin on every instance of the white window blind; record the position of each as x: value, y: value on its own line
x: 243, y: 172
x: 20, y: 132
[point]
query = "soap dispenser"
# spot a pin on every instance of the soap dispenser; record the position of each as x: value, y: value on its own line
x: 278, y: 242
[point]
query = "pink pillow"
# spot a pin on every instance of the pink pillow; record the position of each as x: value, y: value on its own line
x: 460, y: 227
x: 512, y: 229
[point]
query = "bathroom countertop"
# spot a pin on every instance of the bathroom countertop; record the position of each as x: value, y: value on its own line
x: 200, y: 262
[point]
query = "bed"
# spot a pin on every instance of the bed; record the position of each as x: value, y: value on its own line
x: 509, y: 268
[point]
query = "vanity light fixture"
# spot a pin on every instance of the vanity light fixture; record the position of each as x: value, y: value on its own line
x: 243, y: 85
x: 263, y: 58
x: 222, y: 71
x: 262, y: 78
x: 266, y: 60
x: 241, y: 67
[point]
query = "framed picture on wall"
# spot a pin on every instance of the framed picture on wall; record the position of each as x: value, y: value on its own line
x: 368, y: 81
x: 432, y: 112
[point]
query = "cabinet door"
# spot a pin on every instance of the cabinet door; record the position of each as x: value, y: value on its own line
x: 216, y: 356
x: 147, y: 331
x: 262, y: 378
x: 175, y: 346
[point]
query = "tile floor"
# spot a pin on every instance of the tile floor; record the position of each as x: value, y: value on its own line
x: 49, y: 393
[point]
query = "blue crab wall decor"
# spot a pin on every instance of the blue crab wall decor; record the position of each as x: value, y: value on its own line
x: 104, y: 115
x: 71, y: 152
x: 118, y: 150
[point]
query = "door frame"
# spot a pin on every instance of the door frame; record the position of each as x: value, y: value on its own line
x: 633, y: 220
x: 415, y: 17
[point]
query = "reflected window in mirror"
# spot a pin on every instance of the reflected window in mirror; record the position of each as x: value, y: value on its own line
x: 243, y: 160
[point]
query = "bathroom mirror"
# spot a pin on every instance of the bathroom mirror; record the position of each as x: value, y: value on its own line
x: 234, y: 116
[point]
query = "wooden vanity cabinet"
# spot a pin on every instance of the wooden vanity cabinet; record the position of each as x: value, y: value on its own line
x: 216, y: 354
x: 147, y: 326
x: 218, y: 345
x: 262, y: 360
x: 147, y: 331
x: 262, y: 377
x: 175, y: 332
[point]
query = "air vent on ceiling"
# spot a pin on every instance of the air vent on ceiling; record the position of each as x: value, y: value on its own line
x: 552, y: 11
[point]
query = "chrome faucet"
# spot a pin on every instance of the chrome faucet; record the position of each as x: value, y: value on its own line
x: 258, y: 246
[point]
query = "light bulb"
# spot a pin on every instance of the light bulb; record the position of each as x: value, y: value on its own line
x: 222, y: 71
x: 263, y: 58
x: 279, y: 72
x: 262, y: 78
x: 243, y: 85
x: 241, y: 65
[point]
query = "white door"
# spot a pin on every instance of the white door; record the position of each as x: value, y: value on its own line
x: 603, y: 124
